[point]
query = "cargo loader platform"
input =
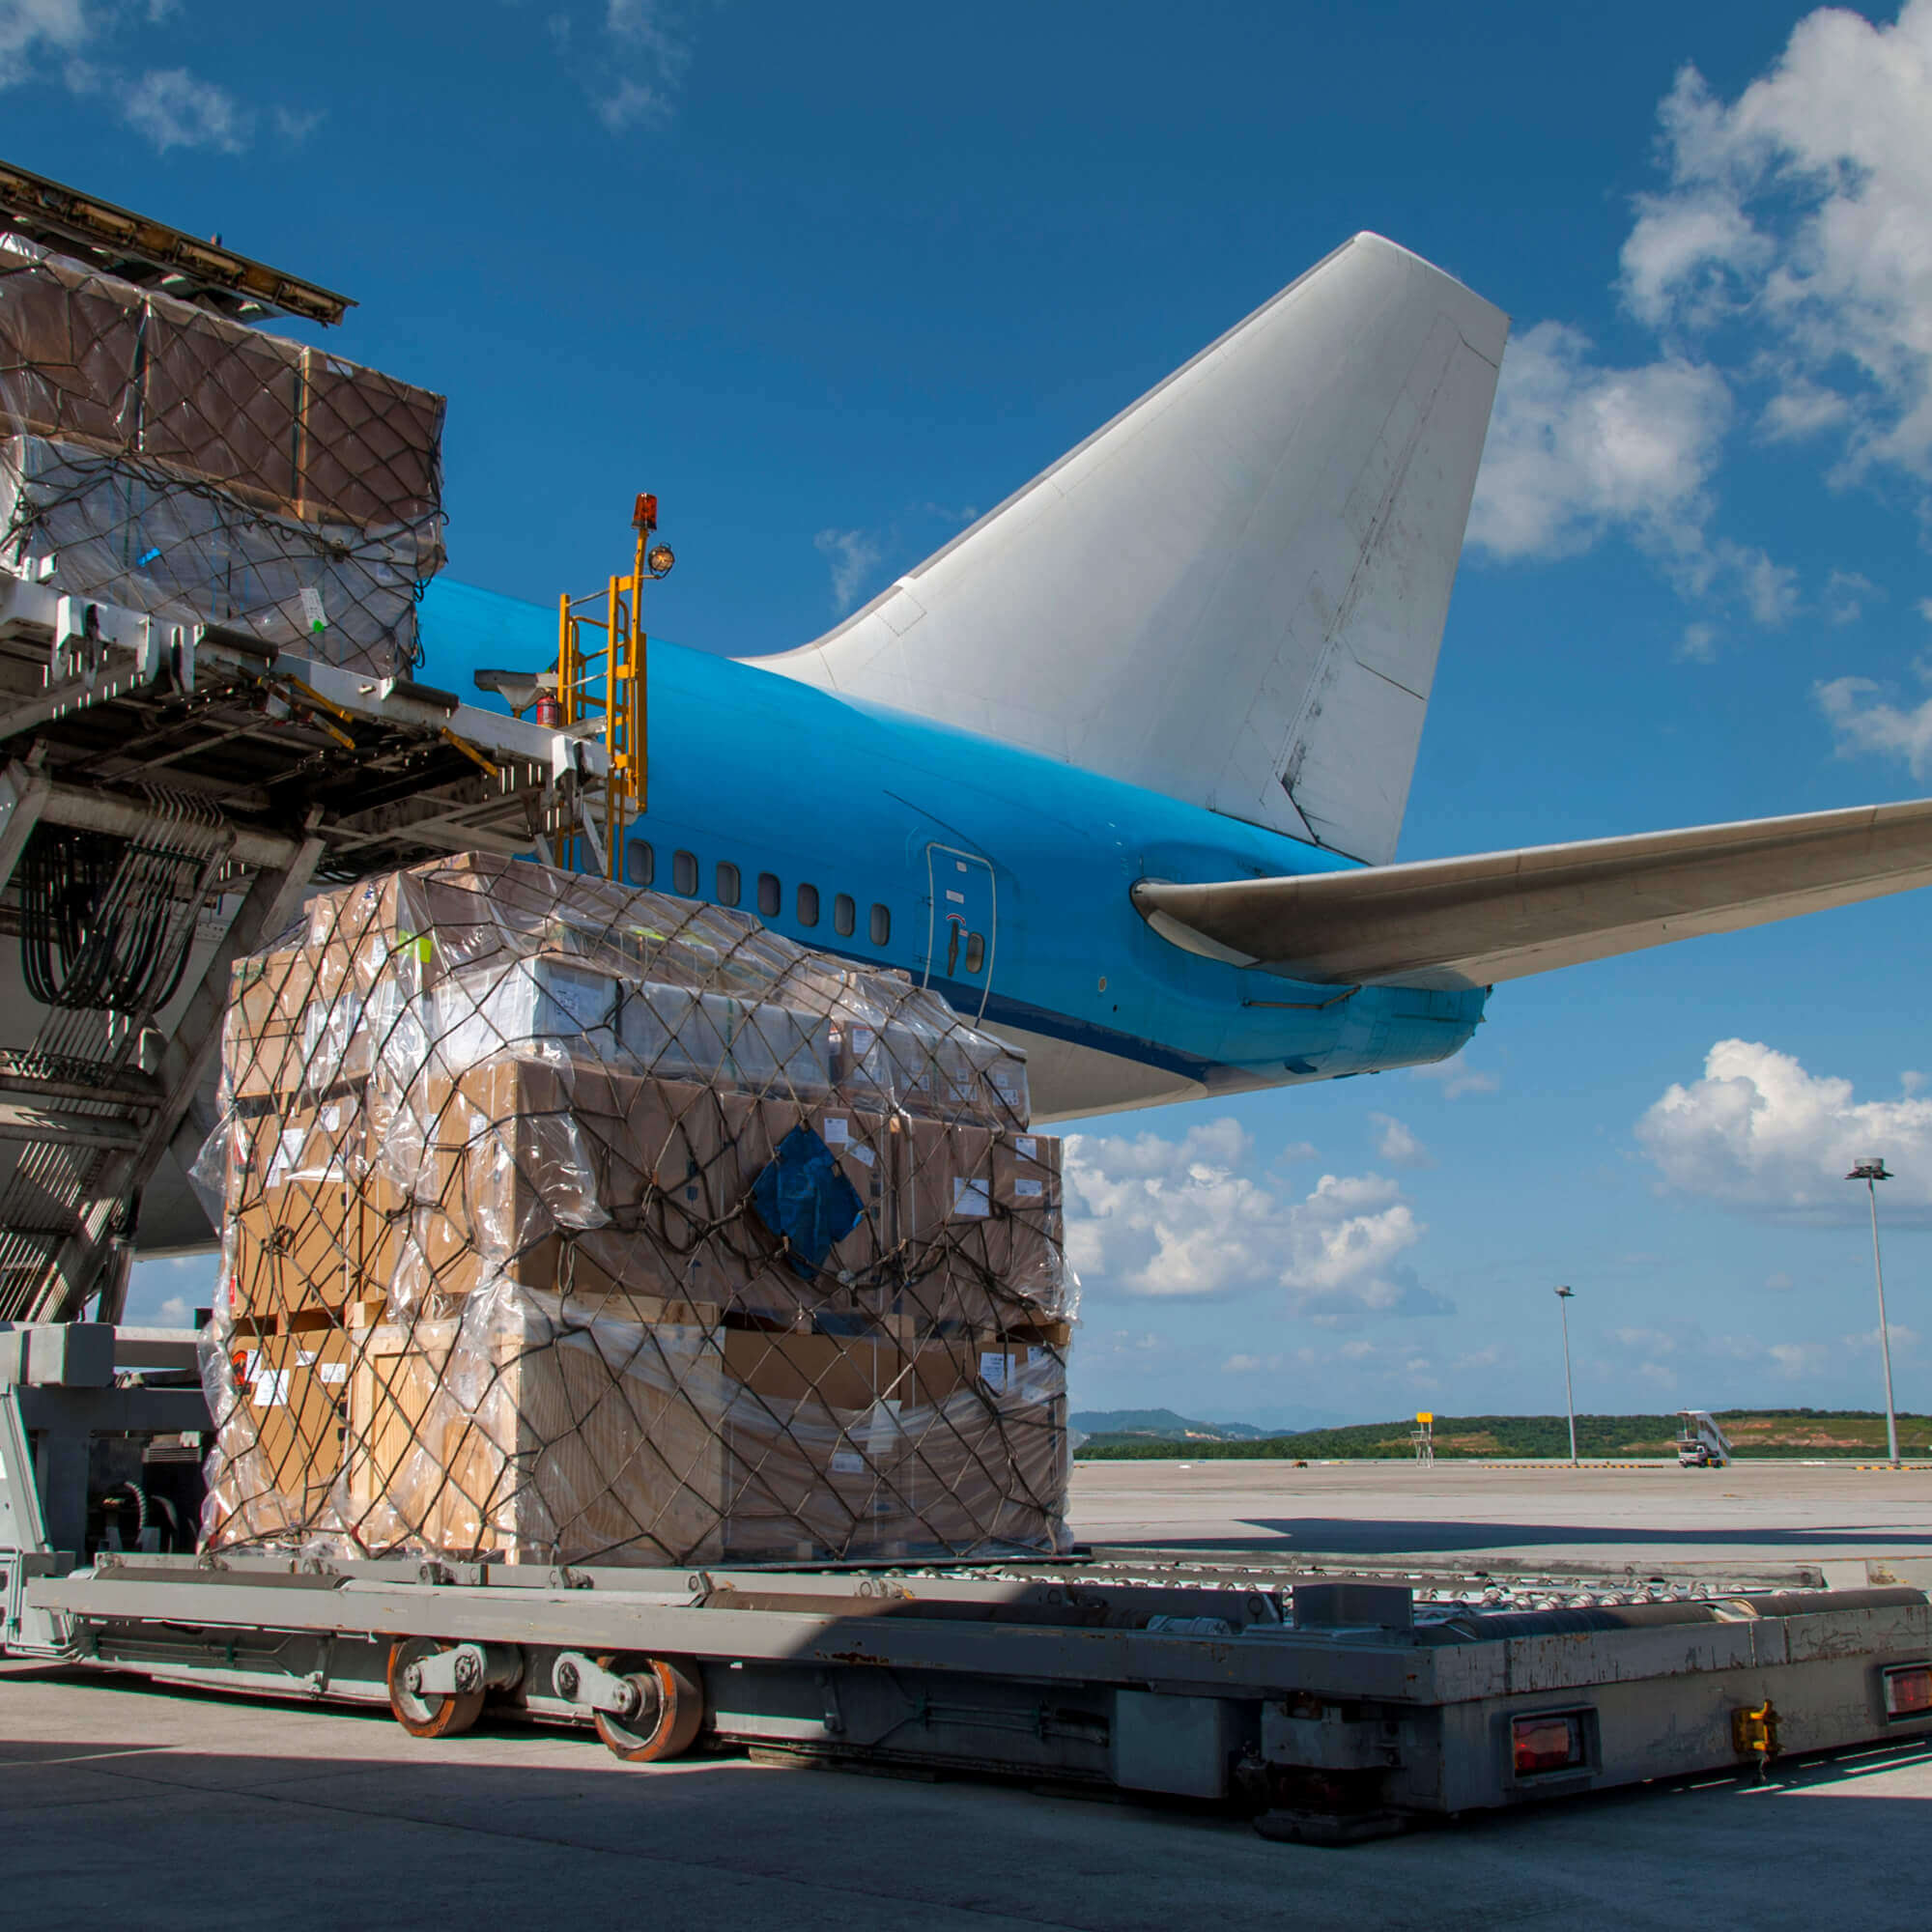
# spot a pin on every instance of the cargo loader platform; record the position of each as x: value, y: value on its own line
x: 1327, y: 1706
x: 194, y: 785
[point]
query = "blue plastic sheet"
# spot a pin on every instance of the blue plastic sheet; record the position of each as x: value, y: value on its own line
x: 801, y: 1197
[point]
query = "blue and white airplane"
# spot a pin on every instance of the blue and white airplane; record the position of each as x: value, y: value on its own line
x: 1121, y: 770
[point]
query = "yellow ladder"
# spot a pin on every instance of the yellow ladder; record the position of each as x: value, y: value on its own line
x: 601, y: 677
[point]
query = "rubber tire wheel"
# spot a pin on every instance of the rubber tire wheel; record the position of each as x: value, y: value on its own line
x: 674, y: 1725
x: 423, y: 1717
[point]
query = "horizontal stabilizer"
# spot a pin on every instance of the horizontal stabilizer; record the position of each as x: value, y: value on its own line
x: 1454, y: 922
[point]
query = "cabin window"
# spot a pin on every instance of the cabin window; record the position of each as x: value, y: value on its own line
x: 770, y: 895
x: 975, y: 951
x: 807, y: 905
x: 728, y: 883
x: 882, y: 925
x: 844, y: 916
x: 641, y: 863
x: 684, y: 873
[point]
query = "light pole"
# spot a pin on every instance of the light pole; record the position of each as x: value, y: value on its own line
x: 1870, y: 1169
x: 1563, y: 1295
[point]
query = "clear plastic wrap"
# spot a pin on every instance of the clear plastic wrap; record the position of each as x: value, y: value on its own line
x: 567, y: 1223
x: 157, y: 456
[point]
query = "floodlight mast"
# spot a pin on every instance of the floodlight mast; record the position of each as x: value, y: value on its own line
x: 1870, y: 1169
x: 1563, y: 1295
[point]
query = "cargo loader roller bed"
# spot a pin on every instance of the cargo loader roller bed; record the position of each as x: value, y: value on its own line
x: 1329, y: 1706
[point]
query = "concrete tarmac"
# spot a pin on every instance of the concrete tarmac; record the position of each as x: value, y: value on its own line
x: 122, y: 1803
x: 1653, y: 1516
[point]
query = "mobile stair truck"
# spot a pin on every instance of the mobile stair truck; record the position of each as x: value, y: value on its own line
x: 208, y: 722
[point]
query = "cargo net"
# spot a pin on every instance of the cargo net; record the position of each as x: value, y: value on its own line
x: 163, y: 457
x: 569, y: 1224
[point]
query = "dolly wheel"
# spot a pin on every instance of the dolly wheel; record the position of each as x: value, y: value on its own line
x: 669, y: 1711
x: 428, y: 1714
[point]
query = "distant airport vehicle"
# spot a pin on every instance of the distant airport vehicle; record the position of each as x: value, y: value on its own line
x: 1121, y: 770
x: 1701, y: 1444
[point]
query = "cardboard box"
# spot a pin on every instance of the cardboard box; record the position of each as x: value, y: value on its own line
x: 540, y: 1437
x: 846, y: 1445
x: 70, y: 345
x: 288, y: 1430
x: 370, y: 445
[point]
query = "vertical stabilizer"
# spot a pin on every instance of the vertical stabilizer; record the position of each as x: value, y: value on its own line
x: 1234, y: 593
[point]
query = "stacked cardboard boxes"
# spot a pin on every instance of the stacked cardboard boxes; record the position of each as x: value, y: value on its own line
x: 504, y: 1134
x: 161, y: 457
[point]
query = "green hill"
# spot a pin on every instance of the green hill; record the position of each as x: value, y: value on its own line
x: 1160, y: 1425
x: 1855, y: 1434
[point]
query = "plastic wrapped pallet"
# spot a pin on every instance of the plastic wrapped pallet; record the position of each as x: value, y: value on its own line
x: 565, y: 1223
x: 155, y: 455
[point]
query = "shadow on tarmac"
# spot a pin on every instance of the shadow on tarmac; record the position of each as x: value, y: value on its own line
x: 336, y: 1820
x: 1353, y: 1536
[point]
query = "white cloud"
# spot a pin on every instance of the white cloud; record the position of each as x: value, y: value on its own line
x: 50, y: 42
x: 853, y: 556
x: 175, y: 110
x: 1577, y: 450
x: 1397, y: 1144
x: 1865, y: 720
x: 1760, y: 1135
x: 650, y: 40
x: 1458, y: 1078
x: 1298, y: 1151
x: 1159, y: 1217
x: 296, y: 124
x: 32, y: 27
x: 1249, y: 1365
x: 1845, y: 595
x: 1699, y: 643
x: 1805, y: 207
x: 1800, y: 1358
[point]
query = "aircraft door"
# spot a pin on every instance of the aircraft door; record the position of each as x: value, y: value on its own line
x: 960, y: 944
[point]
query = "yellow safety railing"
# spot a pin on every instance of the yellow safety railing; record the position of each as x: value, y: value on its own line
x: 601, y: 678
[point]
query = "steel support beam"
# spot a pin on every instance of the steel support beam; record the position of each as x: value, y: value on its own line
x: 124, y: 819
x: 23, y: 797
x: 269, y: 903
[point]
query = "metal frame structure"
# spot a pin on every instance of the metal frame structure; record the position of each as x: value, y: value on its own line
x: 1328, y: 1708
x: 601, y: 687
x: 290, y: 771
x: 148, y: 253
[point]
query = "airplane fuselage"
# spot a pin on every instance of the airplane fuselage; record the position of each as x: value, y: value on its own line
x: 997, y: 875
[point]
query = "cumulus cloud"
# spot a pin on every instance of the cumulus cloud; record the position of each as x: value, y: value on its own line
x: 58, y: 42
x: 852, y: 555
x: 33, y: 27
x: 1762, y: 1136
x: 1577, y: 450
x: 650, y: 38
x: 175, y: 110
x: 1397, y: 1144
x: 1160, y: 1217
x: 1863, y: 718
x: 1784, y: 266
x: 1457, y: 1078
x: 1804, y: 208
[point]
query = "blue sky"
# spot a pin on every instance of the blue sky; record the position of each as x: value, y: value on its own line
x: 832, y: 280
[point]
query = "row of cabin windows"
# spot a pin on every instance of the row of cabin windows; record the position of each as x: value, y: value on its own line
x: 640, y: 866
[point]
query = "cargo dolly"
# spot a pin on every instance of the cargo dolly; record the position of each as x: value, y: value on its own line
x: 1330, y: 1706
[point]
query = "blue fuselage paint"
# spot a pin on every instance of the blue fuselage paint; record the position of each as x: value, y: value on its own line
x: 956, y: 835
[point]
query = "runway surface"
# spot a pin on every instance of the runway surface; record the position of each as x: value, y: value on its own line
x: 120, y: 1801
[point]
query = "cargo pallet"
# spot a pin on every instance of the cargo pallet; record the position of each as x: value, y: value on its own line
x: 1330, y: 1708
